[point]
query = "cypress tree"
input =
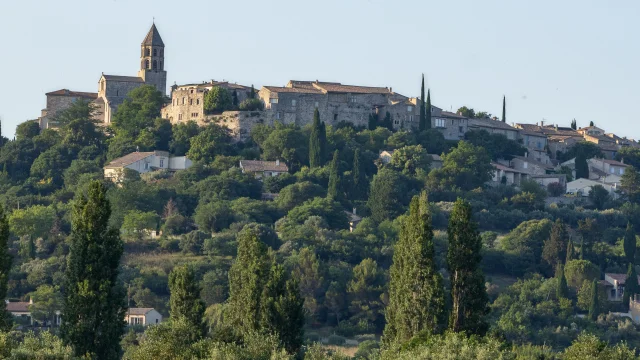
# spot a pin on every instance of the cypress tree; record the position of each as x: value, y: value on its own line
x: 388, y: 121
x: 94, y: 305
x: 373, y: 121
x: 428, y: 110
x: 252, y: 94
x: 468, y: 293
x: 591, y: 123
x: 554, y: 251
x: 416, y: 294
x: 574, y: 124
x: 630, y: 244
x: 423, y: 116
x: 562, y: 290
x: 185, y: 299
x: 582, y: 168
x: 234, y: 96
x: 630, y: 285
x: 323, y: 143
x: 571, y: 252
x: 594, y: 309
x: 335, y: 189
x: 359, y: 180
x: 282, y: 309
x: 314, y: 141
x: 504, y: 108
x: 6, y: 320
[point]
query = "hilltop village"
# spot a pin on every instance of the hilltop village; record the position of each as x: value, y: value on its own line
x: 312, y: 220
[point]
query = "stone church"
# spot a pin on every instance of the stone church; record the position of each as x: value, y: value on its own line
x: 113, y: 89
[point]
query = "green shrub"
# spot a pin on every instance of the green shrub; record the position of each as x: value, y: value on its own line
x: 334, y: 339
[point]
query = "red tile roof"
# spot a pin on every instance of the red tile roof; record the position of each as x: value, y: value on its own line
x: 67, y: 92
x: 128, y: 159
x: 258, y: 165
x: 353, y: 89
x: 18, y: 306
x: 278, y: 89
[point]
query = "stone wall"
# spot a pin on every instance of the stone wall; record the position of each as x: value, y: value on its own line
x: 239, y: 123
x: 186, y: 104
x: 155, y: 78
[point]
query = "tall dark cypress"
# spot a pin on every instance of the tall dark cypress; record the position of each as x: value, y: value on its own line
x: 629, y: 244
x: 185, y: 300
x: 335, y: 189
x: 6, y: 320
x: 594, y: 309
x: 630, y: 285
x: 554, y: 251
x: 416, y: 294
x: 93, y: 305
x: 571, y: 251
x: 562, y: 290
x: 468, y: 295
x: 360, y: 184
x: 252, y: 93
x: 314, y: 141
x: 423, y: 116
x: 504, y: 109
x: 582, y: 167
x: 428, y: 111
x: 574, y: 124
x: 323, y: 143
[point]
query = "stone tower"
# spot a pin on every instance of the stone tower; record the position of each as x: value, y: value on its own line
x: 152, y: 61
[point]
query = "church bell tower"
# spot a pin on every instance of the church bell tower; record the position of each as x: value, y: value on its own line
x: 152, y: 61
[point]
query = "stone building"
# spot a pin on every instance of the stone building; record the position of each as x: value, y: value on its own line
x: 494, y: 127
x: 452, y: 126
x: 187, y: 101
x: 61, y: 100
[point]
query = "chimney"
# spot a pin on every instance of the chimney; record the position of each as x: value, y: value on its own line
x: 30, y: 301
x: 137, y: 148
x: 526, y: 155
x: 622, y: 160
x: 277, y: 162
x: 556, y: 127
x: 354, y: 211
x: 391, y: 89
x: 542, y: 123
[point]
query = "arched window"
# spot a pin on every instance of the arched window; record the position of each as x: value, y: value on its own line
x: 147, y: 52
x: 155, y: 52
x: 161, y: 65
x: 147, y: 65
x: 155, y: 64
x: 161, y: 52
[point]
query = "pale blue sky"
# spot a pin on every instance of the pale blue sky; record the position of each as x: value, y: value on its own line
x: 556, y: 60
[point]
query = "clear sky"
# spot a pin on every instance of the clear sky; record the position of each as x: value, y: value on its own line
x: 554, y: 60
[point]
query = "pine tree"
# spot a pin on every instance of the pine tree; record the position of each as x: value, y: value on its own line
x: 282, y: 309
x: 574, y: 124
x: 562, y: 290
x: 5, y: 266
x: 185, y: 299
x: 630, y: 244
x: 582, y: 168
x: 468, y: 293
x: 504, y: 109
x: 94, y: 306
x: 428, y: 110
x: 594, y: 308
x: 416, y: 294
x: 631, y: 286
x: 554, y: 251
x: 335, y: 188
x: 359, y: 180
x: 571, y: 251
x: 423, y: 116
x: 314, y: 141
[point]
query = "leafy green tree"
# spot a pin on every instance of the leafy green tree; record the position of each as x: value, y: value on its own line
x: 217, y: 100
x: 251, y: 105
x: 315, y: 156
x: 584, y: 148
x: 74, y: 174
x: 167, y: 341
x: 504, y: 109
x: 594, y: 308
x: 571, y: 251
x: 334, y: 192
x: 562, y: 290
x: 93, y: 305
x: 136, y: 222
x: 35, y: 221
x: 599, y: 196
x: 578, y: 271
x: 252, y: 93
x: 5, y: 268
x: 47, y: 300
x: 589, y: 346
x: 138, y: 112
x: 364, y: 292
x: 416, y: 294
x: 296, y: 194
x: 387, y: 195
x: 185, y: 300
x: 306, y: 269
x: 466, y: 112
x: 631, y: 286
x: 423, y: 114
x: 554, y: 251
x: 287, y: 143
x: 411, y: 160
x: 498, y: 146
x: 469, y: 297
x: 211, y: 141
x: 630, y: 244
x: 182, y: 134
x: 629, y: 155
x: 331, y: 211
x: 465, y: 167
x: 27, y: 130
x: 213, y: 217
x: 630, y: 184
x: 359, y: 181
x: 323, y: 142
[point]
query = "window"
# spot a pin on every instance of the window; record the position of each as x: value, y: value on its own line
x: 441, y: 123
x: 621, y: 171
x: 191, y: 91
x: 197, y: 101
x: 317, y: 104
x: 155, y: 52
x: 612, y: 170
x: 190, y: 101
x: 146, y: 166
x: 335, y: 117
x: 525, y: 165
x: 161, y: 162
x: 409, y: 108
x: 278, y: 115
x: 353, y: 99
x: 410, y: 118
x: 155, y: 64
x: 179, y: 117
x: 184, y: 99
x: 293, y: 102
x: 460, y: 129
x: 613, y: 293
x: 161, y: 65
x: 273, y: 101
x: 146, y: 64
x: 147, y: 52
x: 397, y: 122
x: 117, y: 92
x: 156, y: 321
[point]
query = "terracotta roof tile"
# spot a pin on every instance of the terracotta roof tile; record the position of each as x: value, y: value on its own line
x: 353, y: 89
x: 128, y: 159
x: 18, y: 306
x: 259, y: 165
x: 66, y: 92
x: 123, y: 78
x: 278, y: 89
x: 494, y: 124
